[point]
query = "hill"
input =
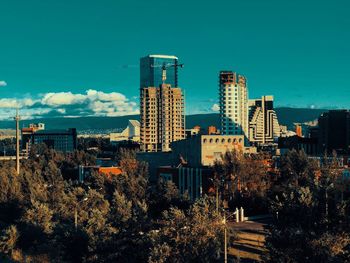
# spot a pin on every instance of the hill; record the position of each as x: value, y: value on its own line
x: 286, y: 116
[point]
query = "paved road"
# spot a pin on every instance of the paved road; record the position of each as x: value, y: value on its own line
x: 250, y: 245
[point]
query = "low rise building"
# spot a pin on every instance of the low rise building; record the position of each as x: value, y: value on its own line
x: 203, y: 150
x: 130, y: 133
x: 86, y: 171
x: 192, y: 181
x: 59, y: 140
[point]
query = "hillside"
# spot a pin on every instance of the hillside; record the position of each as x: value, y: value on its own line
x: 286, y: 116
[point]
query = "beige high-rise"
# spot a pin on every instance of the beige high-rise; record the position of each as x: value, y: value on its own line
x: 162, y: 117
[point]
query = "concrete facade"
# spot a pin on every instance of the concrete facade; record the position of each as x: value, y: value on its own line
x: 203, y: 150
x: 162, y: 117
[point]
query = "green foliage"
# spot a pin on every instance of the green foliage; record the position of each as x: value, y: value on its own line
x: 8, y: 239
x: 311, y: 221
x: 242, y: 180
x: 194, y: 235
x: 46, y: 217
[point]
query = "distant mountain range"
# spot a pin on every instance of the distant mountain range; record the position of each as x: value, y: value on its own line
x: 286, y: 116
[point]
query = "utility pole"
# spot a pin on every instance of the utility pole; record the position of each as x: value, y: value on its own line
x: 225, y: 241
x: 17, y: 119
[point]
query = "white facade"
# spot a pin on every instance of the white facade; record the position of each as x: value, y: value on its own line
x: 134, y: 128
x: 131, y: 132
x: 233, y: 104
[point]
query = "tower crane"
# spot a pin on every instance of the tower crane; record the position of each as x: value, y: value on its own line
x: 164, y: 67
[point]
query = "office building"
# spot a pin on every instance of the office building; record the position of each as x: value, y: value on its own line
x: 263, y: 124
x: 151, y: 71
x: 59, y: 140
x: 162, y: 117
x: 233, y: 95
x: 334, y: 131
x: 308, y: 145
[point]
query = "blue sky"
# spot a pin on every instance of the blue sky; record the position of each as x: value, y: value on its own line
x: 55, y: 54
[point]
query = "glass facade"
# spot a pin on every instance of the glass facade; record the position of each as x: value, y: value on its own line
x: 151, y: 71
x: 60, y: 140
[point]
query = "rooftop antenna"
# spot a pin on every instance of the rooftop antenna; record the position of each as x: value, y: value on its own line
x: 17, y: 119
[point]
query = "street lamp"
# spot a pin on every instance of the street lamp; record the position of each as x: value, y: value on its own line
x: 225, y: 232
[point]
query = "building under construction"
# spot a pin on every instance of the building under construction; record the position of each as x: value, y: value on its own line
x: 161, y: 103
x: 162, y: 117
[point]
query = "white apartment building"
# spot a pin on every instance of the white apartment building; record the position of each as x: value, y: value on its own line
x: 233, y: 93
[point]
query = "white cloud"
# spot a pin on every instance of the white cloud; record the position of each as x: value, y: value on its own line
x: 215, y: 107
x: 3, y: 83
x: 52, y: 104
x: 14, y: 103
x: 62, y: 98
x: 63, y: 111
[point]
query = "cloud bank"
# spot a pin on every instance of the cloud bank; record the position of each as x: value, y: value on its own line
x: 215, y: 107
x: 68, y: 104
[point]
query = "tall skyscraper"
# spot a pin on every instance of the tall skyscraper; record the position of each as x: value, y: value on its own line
x: 233, y: 93
x: 263, y: 123
x: 161, y: 104
x: 151, y: 70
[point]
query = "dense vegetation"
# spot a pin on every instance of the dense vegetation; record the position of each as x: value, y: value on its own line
x: 311, y: 208
x: 309, y: 202
x: 122, y: 219
x: 46, y: 217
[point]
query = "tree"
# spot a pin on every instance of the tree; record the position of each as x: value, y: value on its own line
x: 8, y: 240
x: 308, y: 214
x: 195, y: 235
x: 242, y: 180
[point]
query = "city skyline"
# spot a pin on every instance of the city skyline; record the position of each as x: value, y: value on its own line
x: 84, y: 64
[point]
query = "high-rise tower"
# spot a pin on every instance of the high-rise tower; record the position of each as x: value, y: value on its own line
x: 151, y: 71
x: 161, y: 103
x: 263, y: 122
x: 233, y: 93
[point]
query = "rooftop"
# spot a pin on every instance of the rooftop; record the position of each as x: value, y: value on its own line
x: 163, y: 56
x: 57, y: 131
